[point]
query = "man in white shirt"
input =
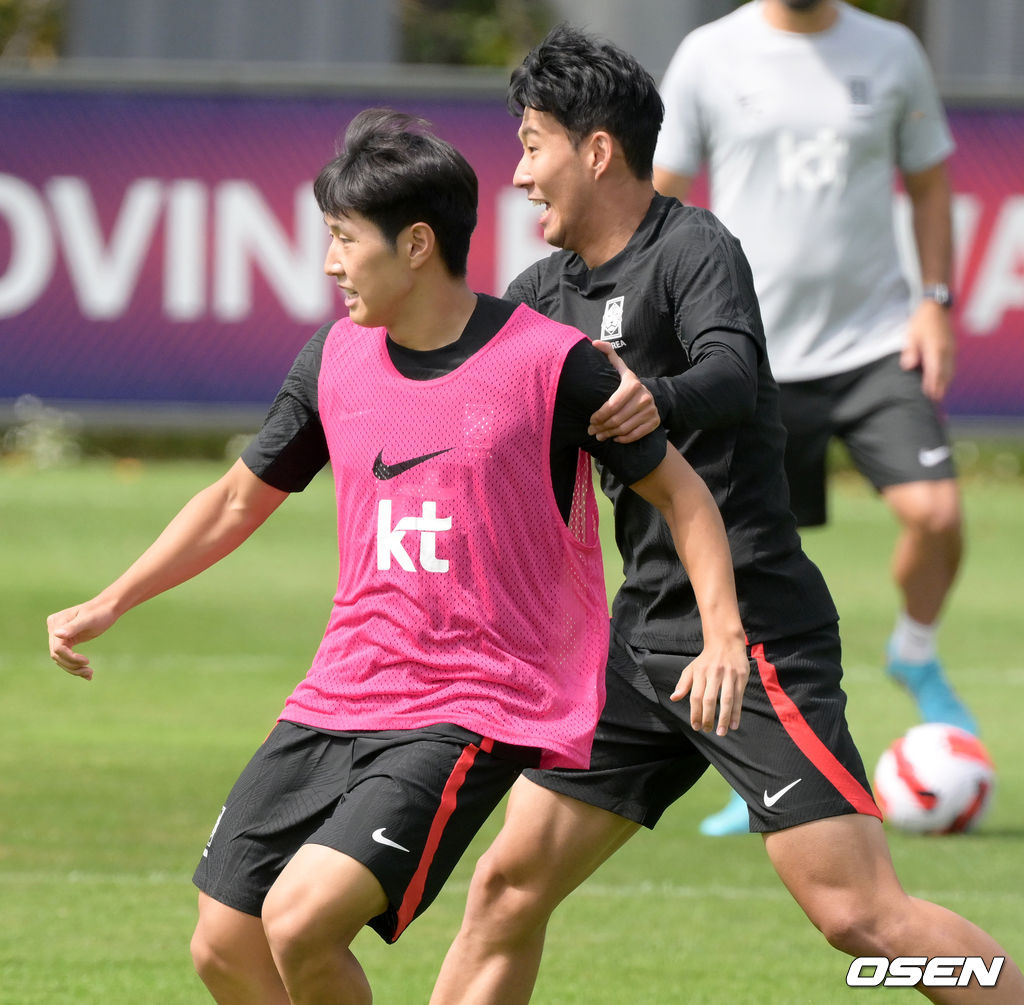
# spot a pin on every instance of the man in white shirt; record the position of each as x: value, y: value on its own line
x: 801, y: 129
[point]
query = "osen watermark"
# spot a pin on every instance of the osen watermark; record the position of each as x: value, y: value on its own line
x: 936, y: 972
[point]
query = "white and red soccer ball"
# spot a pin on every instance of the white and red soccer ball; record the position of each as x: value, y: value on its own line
x: 935, y: 779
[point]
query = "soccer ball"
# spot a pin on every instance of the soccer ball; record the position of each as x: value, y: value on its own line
x: 935, y: 779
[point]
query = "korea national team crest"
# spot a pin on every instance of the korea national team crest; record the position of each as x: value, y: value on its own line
x: 611, y: 323
x: 860, y: 91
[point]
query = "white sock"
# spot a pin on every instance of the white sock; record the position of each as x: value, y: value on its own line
x: 912, y: 642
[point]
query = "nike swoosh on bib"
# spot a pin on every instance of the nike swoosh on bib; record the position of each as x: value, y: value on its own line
x: 384, y: 471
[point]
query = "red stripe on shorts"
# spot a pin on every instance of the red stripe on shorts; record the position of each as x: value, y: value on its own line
x: 414, y: 891
x: 807, y: 740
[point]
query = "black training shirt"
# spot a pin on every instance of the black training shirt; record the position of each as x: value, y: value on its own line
x: 678, y: 305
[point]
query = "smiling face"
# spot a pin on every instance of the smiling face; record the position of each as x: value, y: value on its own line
x: 553, y: 174
x: 371, y: 274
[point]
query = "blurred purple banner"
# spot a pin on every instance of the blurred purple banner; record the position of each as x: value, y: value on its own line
x: 159, y: 249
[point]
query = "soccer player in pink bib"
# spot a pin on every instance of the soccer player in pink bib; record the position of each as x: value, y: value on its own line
x: 469, y: 631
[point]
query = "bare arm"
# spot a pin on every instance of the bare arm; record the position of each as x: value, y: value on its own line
x: 722, y: 669
x: 211, y: 525
x: 931, y: 345
x: 669, y: 183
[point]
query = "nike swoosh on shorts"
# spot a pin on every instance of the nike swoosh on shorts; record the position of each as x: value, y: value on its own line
x: 378, y: 836
x: 930, y: 458
x: 770, y: 801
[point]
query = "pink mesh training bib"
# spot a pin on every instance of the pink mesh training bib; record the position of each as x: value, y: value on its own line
x: 462, y: 595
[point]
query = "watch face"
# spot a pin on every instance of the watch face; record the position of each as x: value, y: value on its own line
x: 940, y: 293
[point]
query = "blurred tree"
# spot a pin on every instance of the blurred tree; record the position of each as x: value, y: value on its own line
x: 472, y: 32
x: 500, y: 32
x: 894, y: 10
x: 31, y: 30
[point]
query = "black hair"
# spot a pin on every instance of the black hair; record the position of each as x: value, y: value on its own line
x: 394, y: 172
x: 588, y: 84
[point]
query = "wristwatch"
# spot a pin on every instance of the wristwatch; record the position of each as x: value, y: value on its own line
x: 940, y: 293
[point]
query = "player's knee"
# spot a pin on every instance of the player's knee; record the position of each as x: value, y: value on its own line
x: 212, y: 958
x: 288, y: 927
x: 203, y: 959
x: 942, y: 522
x: 502, y: 903
x: 933, y: 511
x: 855, y: 928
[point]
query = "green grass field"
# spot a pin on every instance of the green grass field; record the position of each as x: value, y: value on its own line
x: 108, y: 790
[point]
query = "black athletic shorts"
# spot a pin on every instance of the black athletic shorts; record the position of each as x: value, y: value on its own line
x: 894, y: 433
x: 792, y: 759
x: 404, y: 803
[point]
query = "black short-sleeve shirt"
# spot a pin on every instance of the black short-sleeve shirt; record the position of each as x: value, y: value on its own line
x: 681, y: 276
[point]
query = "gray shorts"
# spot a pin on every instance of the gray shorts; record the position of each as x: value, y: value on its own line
x: 893, y: 432
x: 792, y: 759
x: 404, y: 803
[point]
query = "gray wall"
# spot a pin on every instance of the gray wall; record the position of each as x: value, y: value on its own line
x: 304, y: 31
x: 976, y: 47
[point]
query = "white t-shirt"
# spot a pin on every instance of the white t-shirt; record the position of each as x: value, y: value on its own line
x: 801, y: 134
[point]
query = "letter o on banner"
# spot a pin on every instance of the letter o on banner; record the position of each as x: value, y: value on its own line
x: 32, y: 253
